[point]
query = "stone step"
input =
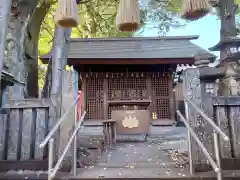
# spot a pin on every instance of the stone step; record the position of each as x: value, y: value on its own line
x: 121, y: 173
x: 137, y: 165
x: 231, y: 163
x: 149, y: 173
x: 16, y: 165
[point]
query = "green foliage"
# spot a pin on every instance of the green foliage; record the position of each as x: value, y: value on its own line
x: 97, y: 19
x: 163, y: 15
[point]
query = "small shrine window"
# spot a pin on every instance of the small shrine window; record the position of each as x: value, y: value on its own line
x: 233, y: 50
x: 209, y: 88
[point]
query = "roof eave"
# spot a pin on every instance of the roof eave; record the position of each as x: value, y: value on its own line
x: 226, y: 41
x: 193, y: 37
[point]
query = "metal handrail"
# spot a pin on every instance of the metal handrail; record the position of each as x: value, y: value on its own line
x: 57, y: 125
x: 200, y: 144
x: 215, y: 165
x: 49, y: 138
x: 52, y: 171
x: 216, y: 132
x: 209, y: 120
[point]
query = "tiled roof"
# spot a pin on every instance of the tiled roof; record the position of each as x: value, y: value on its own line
x: 134, y: 47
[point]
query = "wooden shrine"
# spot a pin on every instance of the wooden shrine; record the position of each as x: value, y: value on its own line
x: 130, y: 73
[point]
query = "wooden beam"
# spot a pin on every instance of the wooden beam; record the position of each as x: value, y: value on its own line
x: 130, y: 61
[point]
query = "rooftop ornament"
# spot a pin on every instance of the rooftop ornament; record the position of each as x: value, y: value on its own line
x: 195, y: 9
x: 66, y: 14
x: 128, y: 15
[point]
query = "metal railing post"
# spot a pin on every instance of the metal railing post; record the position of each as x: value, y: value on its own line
x: 209, y: 120
x: 57, y: 125
x: 72, y: 142
x: 217, y: 154
x: 189, y: 140
x: 217, y: 133
x: 50, y: 158
x: 57, y: 166
x: 200, y: 144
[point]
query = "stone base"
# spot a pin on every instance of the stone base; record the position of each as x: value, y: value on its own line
x: 202, y: 167
x: 66, y: 165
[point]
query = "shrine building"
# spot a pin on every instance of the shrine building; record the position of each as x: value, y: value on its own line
x: 135, y: 73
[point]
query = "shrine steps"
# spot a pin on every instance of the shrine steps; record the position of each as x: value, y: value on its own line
x: 227, y: 175
x: 15, y: 165
x: 227, y: 164
x: 231, y: 163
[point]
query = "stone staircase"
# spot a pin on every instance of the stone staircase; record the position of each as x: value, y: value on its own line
x: 162, y: 156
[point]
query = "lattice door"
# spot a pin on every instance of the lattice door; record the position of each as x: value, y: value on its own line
x: 161, y: 97
x: 126, y: 86
x: 94, y: 95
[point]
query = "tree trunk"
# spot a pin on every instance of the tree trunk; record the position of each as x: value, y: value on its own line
x: 16, y: 49
x: 31, y: 45
x: 5, y: 9
x: 57, y: 63
x: 228, y: 23
x: 53, y: 82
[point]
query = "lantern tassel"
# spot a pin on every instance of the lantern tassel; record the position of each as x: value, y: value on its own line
x: 195, y: 9
x: 66, y: 14
x: 128, y: 15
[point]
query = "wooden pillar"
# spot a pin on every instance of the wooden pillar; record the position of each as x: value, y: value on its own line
x: 149, y: 93
x: 171, y: 99
x: 174, y: 105
x: 105, y: 98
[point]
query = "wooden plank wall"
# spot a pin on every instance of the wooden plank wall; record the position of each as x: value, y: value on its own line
x: 23, y: 125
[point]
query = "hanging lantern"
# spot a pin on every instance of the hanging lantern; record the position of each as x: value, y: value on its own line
x: 195, y: 9
x: 66, y: 14
x: 128, y: 15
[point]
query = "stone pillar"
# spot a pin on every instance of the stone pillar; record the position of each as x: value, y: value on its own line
x: 194, y: 89
x: 230, y: 84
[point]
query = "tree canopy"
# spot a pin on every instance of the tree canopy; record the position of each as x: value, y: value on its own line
x: 97, y: 19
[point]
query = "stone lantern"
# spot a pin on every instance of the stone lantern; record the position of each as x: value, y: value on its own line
x: 230, y: 61
x: 208, y: 75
